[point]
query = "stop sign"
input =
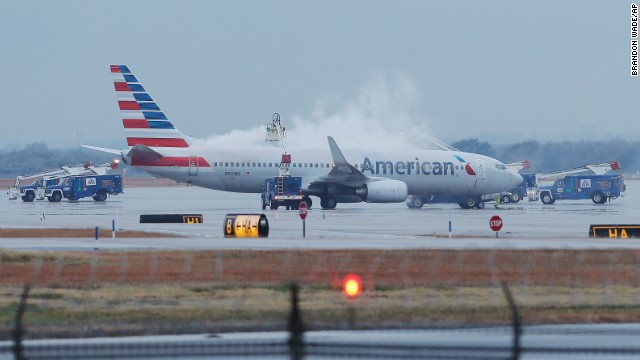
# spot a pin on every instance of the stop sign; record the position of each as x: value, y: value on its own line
x: 302, y: 210
x: 495, y: 223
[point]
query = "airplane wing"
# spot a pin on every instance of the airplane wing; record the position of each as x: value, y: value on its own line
x: 342, y: 173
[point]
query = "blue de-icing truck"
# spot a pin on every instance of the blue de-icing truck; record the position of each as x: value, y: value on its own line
x: 598, y: 188
x: 96, y: 186
x: 283, y: 191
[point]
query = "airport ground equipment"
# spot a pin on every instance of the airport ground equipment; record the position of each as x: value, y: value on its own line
x: 598, y: 182
x: 96, y: 186
x: 46, y: 183
x: 284, y: 189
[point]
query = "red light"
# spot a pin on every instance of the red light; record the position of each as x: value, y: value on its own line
x: 352, y: 286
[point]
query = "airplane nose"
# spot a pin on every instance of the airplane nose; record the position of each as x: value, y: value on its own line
x: 517, y: 178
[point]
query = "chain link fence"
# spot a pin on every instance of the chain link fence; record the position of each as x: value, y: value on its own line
x: 80, y: 295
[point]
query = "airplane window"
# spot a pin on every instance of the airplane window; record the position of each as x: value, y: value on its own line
x: 316, y: 164
x: 270, y: 165
x: 299, y: 164
x: 253, y: 164
x: 294, y: 164
x: 264, y: 164
x: 237, y: 164
x: 226, y: 164
x: 259, y: 164
x: 305, y: 164
x: 231, y: 164
x: 215, y: 163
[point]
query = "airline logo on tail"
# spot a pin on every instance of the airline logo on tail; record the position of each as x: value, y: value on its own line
x: 144, y: 122
x: 151, y: 137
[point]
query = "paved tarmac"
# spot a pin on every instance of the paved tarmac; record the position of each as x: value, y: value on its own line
x: 527, y: 225
x: 589, y: 341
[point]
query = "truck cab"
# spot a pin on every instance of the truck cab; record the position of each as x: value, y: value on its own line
x: 37, y: 189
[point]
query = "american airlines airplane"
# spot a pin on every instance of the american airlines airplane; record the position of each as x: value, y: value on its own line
x: 380, y: 176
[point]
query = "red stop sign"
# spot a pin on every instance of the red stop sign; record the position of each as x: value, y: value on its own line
x: 302, y: 210
x: 495, y: 223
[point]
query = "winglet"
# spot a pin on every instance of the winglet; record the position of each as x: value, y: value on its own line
x: 338, y: 158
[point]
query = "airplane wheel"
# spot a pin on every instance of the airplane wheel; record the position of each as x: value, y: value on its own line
x: 470, y: 202
x: 308, y: 201
x: 480, y: 205
x: 328, y: 203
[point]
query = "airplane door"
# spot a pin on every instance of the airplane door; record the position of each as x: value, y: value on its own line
x: 481, y: 169
x: 193, y: 165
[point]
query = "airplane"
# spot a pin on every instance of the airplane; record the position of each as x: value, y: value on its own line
x: 156, y: 146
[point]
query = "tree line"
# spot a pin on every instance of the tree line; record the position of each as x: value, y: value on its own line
x: 559, y: 155
x: 547, y: 156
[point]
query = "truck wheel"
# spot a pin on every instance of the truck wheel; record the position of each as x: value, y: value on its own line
x: 417, y: 203
x: 55, y: 197
x: 598, y: 198
x: 29, y: 196
x: 515, y: 198
x: 547, y: 199
x: 480, y: 205
x: 101, y: 195
x: 506, y: 199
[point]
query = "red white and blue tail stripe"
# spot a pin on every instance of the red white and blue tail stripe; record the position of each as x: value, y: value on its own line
x: 144, y: 123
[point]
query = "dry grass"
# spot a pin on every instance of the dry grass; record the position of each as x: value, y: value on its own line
x: 109, y: 293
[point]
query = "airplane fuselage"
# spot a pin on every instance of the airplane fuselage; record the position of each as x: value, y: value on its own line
x: 424, y: 171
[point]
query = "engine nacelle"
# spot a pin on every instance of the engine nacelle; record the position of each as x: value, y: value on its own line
x: 383, y: 191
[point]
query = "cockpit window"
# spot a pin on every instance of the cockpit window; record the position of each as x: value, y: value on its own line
x: 501, y: 167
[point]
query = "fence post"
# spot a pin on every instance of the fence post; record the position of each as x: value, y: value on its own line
x: 18, y: 331
x: 295, y: 327
x: 515, y: 315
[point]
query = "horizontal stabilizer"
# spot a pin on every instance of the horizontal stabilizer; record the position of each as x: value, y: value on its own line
x: 107, y: 150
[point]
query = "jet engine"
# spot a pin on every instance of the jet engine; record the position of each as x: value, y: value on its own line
x: 383, y: 191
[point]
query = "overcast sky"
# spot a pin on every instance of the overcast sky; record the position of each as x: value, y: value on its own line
x: 503, y: 71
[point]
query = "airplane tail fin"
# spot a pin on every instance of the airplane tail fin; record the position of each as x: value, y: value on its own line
x: 144, y: 123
